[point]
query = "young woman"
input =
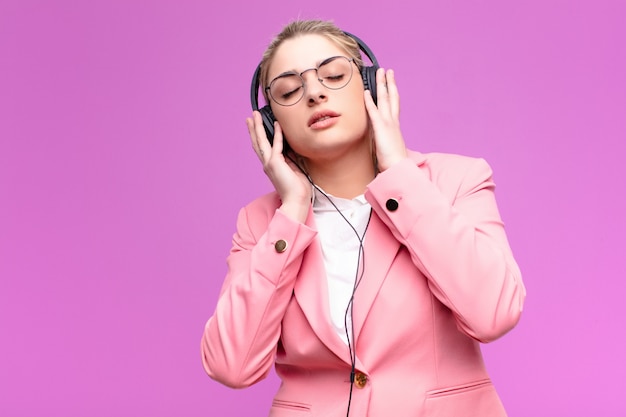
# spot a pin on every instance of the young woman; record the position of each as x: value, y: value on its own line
x: 372, y: 273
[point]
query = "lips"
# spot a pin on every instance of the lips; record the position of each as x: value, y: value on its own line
x: 320, y: 118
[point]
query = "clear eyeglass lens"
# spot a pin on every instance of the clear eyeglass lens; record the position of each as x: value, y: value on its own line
x: 334, y: 74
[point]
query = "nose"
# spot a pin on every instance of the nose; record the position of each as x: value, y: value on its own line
x: 314, y: 90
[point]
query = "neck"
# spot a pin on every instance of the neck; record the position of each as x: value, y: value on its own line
x: 346, y: 176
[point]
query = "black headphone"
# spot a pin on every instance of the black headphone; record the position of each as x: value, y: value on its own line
x: 368, y: 74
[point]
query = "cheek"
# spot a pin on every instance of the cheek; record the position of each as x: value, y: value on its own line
x: 289, y: 123
x: 357, y: 105
x: 356, y: 97
x: 284, y: 116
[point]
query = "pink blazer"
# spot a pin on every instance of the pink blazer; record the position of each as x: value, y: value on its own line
x: 439, y: 278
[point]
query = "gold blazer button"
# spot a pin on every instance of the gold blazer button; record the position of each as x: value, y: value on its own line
x: 360, y: 380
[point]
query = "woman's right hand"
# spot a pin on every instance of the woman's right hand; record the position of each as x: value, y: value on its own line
x: 291, y: 184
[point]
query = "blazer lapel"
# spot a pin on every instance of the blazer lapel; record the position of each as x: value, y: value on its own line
x: 311, y: 292
x: 380, y: 250
x: 311, y: 288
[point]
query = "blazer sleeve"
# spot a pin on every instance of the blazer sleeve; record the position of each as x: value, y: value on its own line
x: 450, y: 224
x: 239, y: 342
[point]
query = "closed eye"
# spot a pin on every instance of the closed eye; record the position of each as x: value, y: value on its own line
x: 338, y: 77
x: 288, y: 94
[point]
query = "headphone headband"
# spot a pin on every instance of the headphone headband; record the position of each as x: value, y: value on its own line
x: 363, y: 47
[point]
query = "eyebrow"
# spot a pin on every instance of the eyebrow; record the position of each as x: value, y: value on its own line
x: 296, y: 72
x: 286, y: 73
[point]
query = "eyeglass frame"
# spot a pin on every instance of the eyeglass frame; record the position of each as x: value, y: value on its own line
x: 321, y: 81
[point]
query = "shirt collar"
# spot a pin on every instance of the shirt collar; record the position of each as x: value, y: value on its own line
x: 321, y: 203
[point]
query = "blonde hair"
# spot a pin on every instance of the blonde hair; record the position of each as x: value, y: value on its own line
x: 307, y: 27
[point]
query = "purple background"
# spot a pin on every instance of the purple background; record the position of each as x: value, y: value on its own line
x: 124, y: 158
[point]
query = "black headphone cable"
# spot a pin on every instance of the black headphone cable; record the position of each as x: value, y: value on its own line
x: 360, y: 271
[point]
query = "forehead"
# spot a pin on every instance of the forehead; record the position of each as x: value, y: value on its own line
x: 302, y: 52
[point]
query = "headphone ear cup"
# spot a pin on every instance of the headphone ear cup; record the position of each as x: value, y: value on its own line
x: 369, y: 80
x: 268, y: 122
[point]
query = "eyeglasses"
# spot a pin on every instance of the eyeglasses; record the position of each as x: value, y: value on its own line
x: 333, y: 73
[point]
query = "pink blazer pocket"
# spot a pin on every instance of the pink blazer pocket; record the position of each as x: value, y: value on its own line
x: 474, y: 399
x: 282, y: 408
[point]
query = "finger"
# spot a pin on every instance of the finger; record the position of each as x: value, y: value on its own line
x: 277, y: 147
x: 394, y: 96
x: 371, y: 108
x: 252, y: 133
x: 381, y: 90
x: 261, y: 144
x: 250, y: 126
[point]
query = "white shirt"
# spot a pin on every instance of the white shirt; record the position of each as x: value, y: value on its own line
x: 340, y: 248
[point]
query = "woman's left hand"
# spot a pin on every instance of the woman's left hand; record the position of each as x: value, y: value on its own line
x: 385, y: 119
